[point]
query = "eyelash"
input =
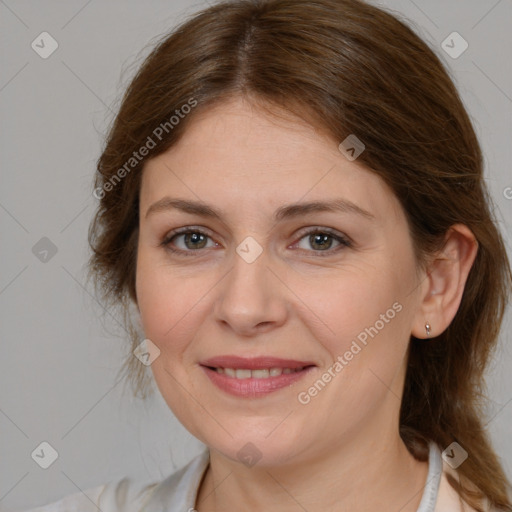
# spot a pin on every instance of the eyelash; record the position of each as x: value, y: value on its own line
x: 344, y: 242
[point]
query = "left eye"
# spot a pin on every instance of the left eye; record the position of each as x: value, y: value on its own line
x: 322, y: 241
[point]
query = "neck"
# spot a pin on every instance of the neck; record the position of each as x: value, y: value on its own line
x: 357, y: 475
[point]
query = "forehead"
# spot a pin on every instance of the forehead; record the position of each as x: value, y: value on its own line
x: 263, y: 130
x: 238, y: 150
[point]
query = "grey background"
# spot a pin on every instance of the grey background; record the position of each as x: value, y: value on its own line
x: 58, y: 363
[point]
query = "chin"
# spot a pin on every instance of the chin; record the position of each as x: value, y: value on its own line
x: 258, y: 448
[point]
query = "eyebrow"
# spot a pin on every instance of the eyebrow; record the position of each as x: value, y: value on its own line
x: 284, y: 212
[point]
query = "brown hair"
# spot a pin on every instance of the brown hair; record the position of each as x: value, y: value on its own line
x: 348, y: 68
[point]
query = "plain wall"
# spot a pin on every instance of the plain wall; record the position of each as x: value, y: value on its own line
x: 58, y: 363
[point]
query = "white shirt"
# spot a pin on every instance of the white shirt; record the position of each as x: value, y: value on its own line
x: 178, y: 492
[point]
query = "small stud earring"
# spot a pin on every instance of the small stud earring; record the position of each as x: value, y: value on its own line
x: 427, y: 329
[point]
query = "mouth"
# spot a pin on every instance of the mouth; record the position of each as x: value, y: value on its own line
x: 254, y: 377
x: 261, y: 373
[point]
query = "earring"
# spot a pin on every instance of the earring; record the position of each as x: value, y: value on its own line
x: 427, y: 329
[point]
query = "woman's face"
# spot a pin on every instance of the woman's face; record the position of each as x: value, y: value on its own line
x: 336, y: 291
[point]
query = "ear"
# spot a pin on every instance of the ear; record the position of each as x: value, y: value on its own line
x: 445, y: 281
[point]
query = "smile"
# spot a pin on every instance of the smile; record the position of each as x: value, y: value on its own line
x: 254, y: 377
x: 263, y: 373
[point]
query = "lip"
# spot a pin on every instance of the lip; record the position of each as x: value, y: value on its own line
x: 254, y: 363
x: 253, y: 387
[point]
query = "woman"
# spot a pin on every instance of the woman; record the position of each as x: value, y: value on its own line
x: 292, y: 197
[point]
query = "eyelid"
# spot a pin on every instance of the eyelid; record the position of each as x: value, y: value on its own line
x: 184, y: 230
x: 309, y: 230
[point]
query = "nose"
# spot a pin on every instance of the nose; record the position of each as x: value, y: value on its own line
x: 251, y: 299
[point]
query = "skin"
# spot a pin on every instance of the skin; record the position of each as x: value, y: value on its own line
x: 342, y: 450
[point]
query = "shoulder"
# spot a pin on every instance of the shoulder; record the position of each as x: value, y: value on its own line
x: 448, y: 498
x: 115, y: 496
x: 130, y: 495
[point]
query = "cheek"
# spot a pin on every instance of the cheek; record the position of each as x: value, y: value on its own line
x: 366, y: 352
x: 168, y: 316
x: 358, y: 306
x: 369, y: 319
x: 166, y: 304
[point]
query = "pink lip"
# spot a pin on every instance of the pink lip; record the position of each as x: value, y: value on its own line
x: 253, y: 388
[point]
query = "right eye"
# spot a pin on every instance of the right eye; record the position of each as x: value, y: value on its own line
x: 192, y: 240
